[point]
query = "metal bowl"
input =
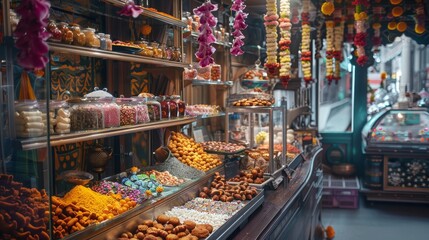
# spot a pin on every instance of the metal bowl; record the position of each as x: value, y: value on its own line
x: 344, y: 169
x: 77, y: 177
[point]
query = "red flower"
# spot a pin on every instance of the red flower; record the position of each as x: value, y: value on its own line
x: 362, y: 60
x: 360, y: 39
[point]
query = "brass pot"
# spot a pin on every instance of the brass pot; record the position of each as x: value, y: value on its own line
x: 97, y: 157
x: 344, y: 169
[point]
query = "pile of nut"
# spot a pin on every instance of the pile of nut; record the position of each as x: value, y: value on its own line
x: 247, y: 102
x: 255, y: 175
x: 165, y: 178
x: 219, y: 190
x: 23, y: 211
x: 169, y: 228
x: 255, y: 75
x: 222, y: 147
x: 191, y: 153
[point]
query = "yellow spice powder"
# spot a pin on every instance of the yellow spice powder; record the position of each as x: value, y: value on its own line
x: 87, y: 198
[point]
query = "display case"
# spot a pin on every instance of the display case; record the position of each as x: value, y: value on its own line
x: 396, y: 147
x: 262, y: 130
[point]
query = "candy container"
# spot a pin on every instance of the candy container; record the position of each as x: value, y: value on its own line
x: 154, y: 109
x: 181, y: 106
x: 142, y: 110
x: 165, y: 108
x: 128, y: 111
x: 29, y: 120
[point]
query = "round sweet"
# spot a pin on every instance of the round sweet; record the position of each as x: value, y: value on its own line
x: 174, y: 221
x: 200, y: 232
x: 163, y: 219
x: 172, y: 237
x: 189, y: 224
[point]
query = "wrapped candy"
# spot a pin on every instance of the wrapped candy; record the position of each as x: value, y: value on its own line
x: 206, y: 38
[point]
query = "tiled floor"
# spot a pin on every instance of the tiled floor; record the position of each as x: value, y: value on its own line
x: 379, y: 221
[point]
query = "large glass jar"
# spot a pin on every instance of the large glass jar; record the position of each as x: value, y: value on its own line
x: 168, y: 53
x: 181, y: 106
x: 128, y: 111
x: 79, y: 37
x: 67, y: 34
x: 29, y: 120
x: 173, y: 107
x: 154, y: 109
x: 215, y: 72
x: 102, y: 38
x: 85, y: 114
x: 109, y: 42
x: 91, y: 39
x: 56, y: 34
x: 165, y: 107
x: 177, y: 55
x: 111, y: 112
x: 142, y: 110
x: 59, y: 117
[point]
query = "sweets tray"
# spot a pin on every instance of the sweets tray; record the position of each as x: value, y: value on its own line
x: 225, y: 153
x: 267, y: 179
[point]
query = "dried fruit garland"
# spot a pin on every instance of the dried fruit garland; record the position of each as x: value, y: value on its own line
x: 271, y: 24
x: 305, y: 43
x: 350, y: 22
x: 239, y: 25
x: 330, y: 50
x: 338, y: 40
x: 206, y: 37
x: 284, y: 44
x: 31, y: 35
x: 361, y: 34
x: 377, y: 17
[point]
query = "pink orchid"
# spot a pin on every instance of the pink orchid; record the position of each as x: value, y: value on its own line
x: 131, y: 9
x: 205, y: 38
x: 239, y: 25
x: 236, y: 51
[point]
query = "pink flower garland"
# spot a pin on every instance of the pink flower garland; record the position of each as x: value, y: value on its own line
x: 31, y: 34
x: 206, y: 37
x: 239, y: 25
x: 131, y: 9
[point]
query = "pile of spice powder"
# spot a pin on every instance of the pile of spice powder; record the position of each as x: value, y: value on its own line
x: 89, y: 199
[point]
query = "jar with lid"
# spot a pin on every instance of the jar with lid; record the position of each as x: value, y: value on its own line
x: 128, y: 111
x: 181, y: 106
x: 168, y: 53
x: 157, y: 51
x: 103, y: 44
x: 154, y: 109
x: 173, y: 107
x: 215, y: 72
x: 109, y: 42
x: 164, y: 51
x: 59, y: 117
x: 29, y: 119
x: 56, y: 34
x: 85, y: 114
x: 108, y: 105
x: 67, y: 34
x: 91, y: 39
x: 79, y: 37
x: 177, y: 55
x: 165, y: 107
x: 142, y: 110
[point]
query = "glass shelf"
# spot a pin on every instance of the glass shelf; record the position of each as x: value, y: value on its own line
x: 56, y: 140
x: 196, y: 82
x: 112, y: 55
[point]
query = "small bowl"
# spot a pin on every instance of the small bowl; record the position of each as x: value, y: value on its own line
x: 344, y: 169
x: 77, y: 177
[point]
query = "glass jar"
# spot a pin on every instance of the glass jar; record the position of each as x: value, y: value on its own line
x: 148, y: 51
x: 29, y: 120
x: 154, y: 109
x: 85, y: 114
x: 177, y: 55
x: 67, y: 34
x: 164, y: 51
x: 168, y: 53
x: 173, y: 107
x: 111, y: 112
x: 128, y: 111
x: 181, y: 106
x: 56, y: 34
x: 165, y: 107
x: 91, y: 39
x: 109, y: 42
x: 189, y: 73
x: 142, y: 110
x: 215, y: 72
x: 103, y: 45
x: 157, y: 51
x: 79, y: 37
x: 59, y: 117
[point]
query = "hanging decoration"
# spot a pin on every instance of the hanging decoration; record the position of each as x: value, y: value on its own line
x: 31, y: 35
x: 306, y: 42
x: 328, y: 8
x: 350, y: 22
x: 271, y: 24
x: 206, y: 37
x: 239, y: 25
x: 361, y: 34
x: 284, y: 44
x: 420, y: 17
x: 330, y: 50
x: 338, y: 40
x: 377, y: 17
x: 131, y: 9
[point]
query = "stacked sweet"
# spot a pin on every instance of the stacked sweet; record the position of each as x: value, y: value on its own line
x: 271, y: 24
x: 285, y: 27
x: 305, y: 43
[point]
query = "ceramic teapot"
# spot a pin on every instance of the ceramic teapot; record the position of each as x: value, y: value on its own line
x: 97, y: 157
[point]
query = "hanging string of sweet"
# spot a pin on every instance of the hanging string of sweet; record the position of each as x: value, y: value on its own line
x: 271, y: 24
x: 305, y: 43
x: 284, y: 43
x: 338, y: 39
x: 350, y: 22
x: 377, y: 11
x: 239, y: 25
x: 361, y: 34
x: 420, y: 17
x: 205, y: 36
x: 327, y: 9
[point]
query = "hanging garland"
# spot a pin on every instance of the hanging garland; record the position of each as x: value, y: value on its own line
x: 239, y: 25
x: 377, y: 16
x: 306, y: 42
x: 31, y: 35
x: 330, y: 50
x: 361, y: 34
x: 271, y: 24
x: 284, y: 44
x: 420, y: 17
x: 338, y: 40
x: 350, y: 22
x: 205, y: 36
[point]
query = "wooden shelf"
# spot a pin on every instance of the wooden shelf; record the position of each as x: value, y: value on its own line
x: 56, y: 140
x: 209, y: 83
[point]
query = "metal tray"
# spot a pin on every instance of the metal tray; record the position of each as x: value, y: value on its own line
x: 226, y: 153
x: 258, y: 186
